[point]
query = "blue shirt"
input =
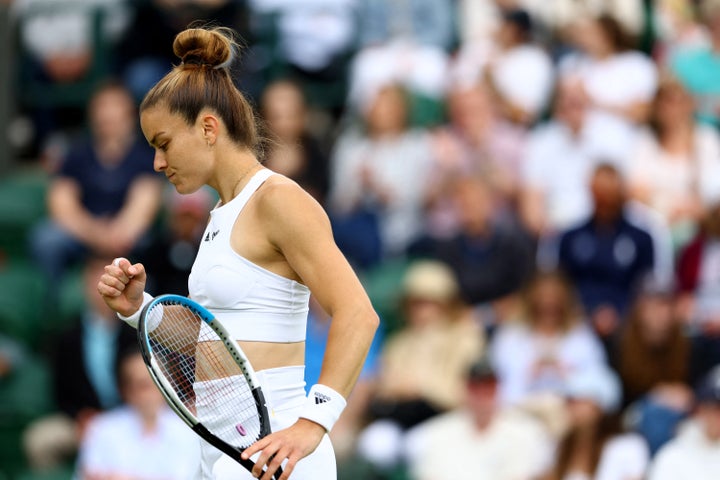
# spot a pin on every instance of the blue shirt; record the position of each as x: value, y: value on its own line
x: 99, y: 345
x: 105, y: 188
x: 605, y: 263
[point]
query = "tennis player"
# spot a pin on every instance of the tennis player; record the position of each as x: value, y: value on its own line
x: 267, y: 245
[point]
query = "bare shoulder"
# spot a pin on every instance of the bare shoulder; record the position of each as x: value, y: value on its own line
x: 282, y: 202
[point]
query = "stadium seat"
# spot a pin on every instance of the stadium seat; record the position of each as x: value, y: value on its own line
x: 22, y: 204
x: 21, y: 302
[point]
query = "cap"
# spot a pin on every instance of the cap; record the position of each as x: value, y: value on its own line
x: 430, y: 279
x: 598, y: 384
x: 481, y: 370
x: 518, y: 17
x: 709, y: 389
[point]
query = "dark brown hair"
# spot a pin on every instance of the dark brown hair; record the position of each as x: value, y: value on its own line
x: 615, y: 33
x: 642, y: 366
x: 609, y: 426
x: 202, y: 80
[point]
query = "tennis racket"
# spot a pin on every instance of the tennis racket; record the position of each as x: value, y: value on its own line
x: 203, y: 374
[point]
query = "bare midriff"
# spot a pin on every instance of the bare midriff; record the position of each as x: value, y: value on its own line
x: 262, y: 356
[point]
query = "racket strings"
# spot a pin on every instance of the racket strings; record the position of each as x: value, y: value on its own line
x: 204, y: 374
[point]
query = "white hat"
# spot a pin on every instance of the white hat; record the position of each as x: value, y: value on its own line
x: 598, y: 384
x: 430, y: 279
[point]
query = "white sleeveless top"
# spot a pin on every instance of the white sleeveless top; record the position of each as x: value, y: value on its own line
x: 252, y: 303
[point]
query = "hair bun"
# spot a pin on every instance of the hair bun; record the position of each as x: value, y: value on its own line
x: 207, y: 47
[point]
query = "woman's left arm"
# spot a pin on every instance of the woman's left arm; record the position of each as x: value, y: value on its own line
x: 300, y: 230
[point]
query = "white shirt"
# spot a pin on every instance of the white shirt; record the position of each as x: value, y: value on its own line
x: 624, y: 457
x: 559, y: 164
x: 449, y: 446
x: 516, y: 352
x: 115, y: 443
x: 401, y: 166
x: 690, y: 455
x: 672, y: 179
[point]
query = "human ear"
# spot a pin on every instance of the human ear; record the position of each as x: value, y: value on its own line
x: 210, y: 128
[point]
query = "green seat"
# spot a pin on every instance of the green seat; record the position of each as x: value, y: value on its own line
x: 22, y: 204
x: 61, y: 473
x: 21, y: 302
x: 384, y: 287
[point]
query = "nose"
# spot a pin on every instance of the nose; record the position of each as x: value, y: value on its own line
x: 159, y: 162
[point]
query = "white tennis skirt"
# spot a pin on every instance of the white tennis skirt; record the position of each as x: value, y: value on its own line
x: 284, y: 390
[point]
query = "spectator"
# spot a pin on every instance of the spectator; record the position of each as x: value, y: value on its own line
x: 653, y: 358
x: 170, y: 254
x: 619, y: 82
x: 477, y: 140
x: 58, y: 38
x: 105, y: 195
x: 607, y: 255
x: 699, y: 68
x: 83, y: 360
x: 382, y: 173
x: 143, y: 439
x: 421, y: 22
x: 676, y: 162
x: 421, y: 364
x: 549, y: 342
x: 695, y: 452
x: 293, y: 151
x: 487, y: 436
x: 570, y: 142
x: 491, y: 260
x: 506, y: 63
x: 145, y: 52
x: 699, y: 286
x: 594, y: 445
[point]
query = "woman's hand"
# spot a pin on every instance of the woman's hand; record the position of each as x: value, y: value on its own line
x: 122, y: 286
x: 293, y: 443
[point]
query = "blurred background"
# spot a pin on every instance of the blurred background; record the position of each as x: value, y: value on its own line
x: 529, y: 191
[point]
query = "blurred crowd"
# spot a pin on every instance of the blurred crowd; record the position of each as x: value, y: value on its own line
x: 529, y: 190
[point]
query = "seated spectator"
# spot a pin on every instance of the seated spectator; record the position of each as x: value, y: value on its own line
x: 57, y: 38
x: 171, y: 253
x: 144, y: 54
x: 695, y: 451
x: 487, y: 436
x: 698, y: 67
x: 570, y: 142
x: 653, y: 359
x: 675, y: 164
x: 105, y: 195
x: 477, y: 140
x: 491, y: 259
x: 607, y: 255
x: 506, y: 63
x: 699, y: 286
x: 422, y: 364
x: 380, y: 172
x: 141, y: 440
x: 620, y: 82
x: 594, y: 446
x: 293, y: 151
x: 83, y: 364
x: 550, y: 341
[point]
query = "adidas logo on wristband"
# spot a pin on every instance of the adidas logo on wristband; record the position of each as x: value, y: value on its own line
x: 320, y: 398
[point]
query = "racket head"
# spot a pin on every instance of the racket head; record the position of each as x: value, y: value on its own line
x: 203, y: 374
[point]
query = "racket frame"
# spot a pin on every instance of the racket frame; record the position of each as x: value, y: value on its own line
x: 171, y: 396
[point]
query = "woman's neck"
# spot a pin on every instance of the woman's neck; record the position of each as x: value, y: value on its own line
x: 233, y: 173
x: 678, y: 138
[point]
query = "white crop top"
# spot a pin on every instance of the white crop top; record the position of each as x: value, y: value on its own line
x: 252, y: 303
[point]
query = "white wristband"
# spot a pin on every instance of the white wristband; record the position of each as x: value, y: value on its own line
x: 133, y: 319
x: 323, y: 406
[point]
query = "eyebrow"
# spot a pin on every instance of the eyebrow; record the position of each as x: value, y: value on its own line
x: 154, y: 138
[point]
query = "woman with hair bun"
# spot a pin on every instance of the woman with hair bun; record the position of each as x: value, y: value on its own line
x: 268, y: 244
